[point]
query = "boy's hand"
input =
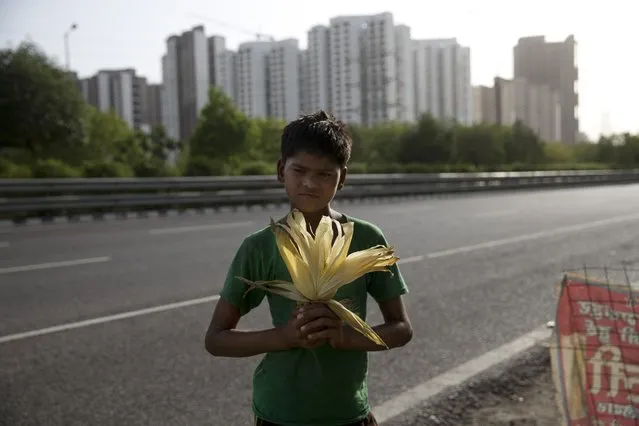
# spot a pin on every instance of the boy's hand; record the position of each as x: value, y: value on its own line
x: 294, y: 337
x: 321, y: 324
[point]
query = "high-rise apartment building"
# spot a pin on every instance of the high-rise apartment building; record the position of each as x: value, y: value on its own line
x: 552, y: 64
x: 316, y: 66
x: 186, y: 80
x: 379, y: 69
x: 121, y: 91
x: 443, y: 80
x: 427, y: 77
x: 170, y: 90
x: 305, y: 82
x: 141, y: 104
x: 545, y: 112
x: 154, y: 105
x: 536, y: 106
x: 405, y: 69
x: 461, y: 107
x: 371, y: 76
x: 484, y: 105
x: 252, y: 84
x: 222, y: 66
x: 510, y: 98
x: 283, y: 76
x: 89, y: 89
x: 346, y: 83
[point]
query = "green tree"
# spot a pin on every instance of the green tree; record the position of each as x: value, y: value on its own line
x: 428, y: 142
x: 151, y: 152
x: 558, y: 152
x: 361, y: 143
x: 384, y: 142
x: 478, y: 145
x: 224, y: 132
x: 606, y: 150
x: 40, y: 106
x: 523, y: 145
x: 628, y: 151
x: 109, y: 137
x: 158, y: 146
x: 583, y: 152
x: 270, y: 130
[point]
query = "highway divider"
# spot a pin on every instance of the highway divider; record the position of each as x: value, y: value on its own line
x: 21, y: 199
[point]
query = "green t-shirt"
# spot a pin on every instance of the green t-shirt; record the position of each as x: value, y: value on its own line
x: 302, y: 387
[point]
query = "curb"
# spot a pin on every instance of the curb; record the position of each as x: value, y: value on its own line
x: 502, y: 370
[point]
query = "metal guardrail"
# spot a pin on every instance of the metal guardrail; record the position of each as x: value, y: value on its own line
x: 24, y: 198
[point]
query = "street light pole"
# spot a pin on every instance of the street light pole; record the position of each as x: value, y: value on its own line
x: 66, y: 44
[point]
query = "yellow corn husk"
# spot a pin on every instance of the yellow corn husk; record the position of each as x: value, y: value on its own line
x: 319, y: 265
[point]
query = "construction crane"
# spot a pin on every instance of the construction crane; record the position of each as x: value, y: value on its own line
x: 259, y: 36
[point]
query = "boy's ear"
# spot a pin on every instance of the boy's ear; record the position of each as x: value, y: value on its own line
x: 342, y: 178
x: 280, y: 170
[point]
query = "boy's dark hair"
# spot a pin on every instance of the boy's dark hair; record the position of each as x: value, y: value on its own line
x: 319, y: 133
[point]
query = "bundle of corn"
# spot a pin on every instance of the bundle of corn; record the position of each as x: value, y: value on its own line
x: 319, y: 265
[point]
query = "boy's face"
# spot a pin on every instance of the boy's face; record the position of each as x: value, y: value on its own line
x: 311, y: 181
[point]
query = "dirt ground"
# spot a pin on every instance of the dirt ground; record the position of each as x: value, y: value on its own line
x: 532, y: 405
x: 520, y: 395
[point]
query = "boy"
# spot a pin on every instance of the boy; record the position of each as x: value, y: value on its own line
x: 314, y: 369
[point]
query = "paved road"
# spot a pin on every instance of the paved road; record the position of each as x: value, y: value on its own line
x: 481, y: 270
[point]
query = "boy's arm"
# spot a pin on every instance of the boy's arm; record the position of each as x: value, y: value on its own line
x: 396, y: 331
x: 222, y: 339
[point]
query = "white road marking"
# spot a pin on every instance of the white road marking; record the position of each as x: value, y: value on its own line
x: 412, y: 259
x: 77, y: 262
x: 105, y: 319
x: 409, y: 209
x: 428, y: 389
x: 4, y: 244
x: 497, y: 213
x: 198, y: 228
x: 534, y: 236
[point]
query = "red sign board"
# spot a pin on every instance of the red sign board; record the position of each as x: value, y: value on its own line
x: 595, y: 353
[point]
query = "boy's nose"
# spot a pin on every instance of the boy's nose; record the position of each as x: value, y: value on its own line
x: 309, y: 183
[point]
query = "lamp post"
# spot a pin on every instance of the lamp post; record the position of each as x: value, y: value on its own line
x: 66, y: 43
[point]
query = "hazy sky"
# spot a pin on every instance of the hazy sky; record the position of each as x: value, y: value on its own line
x: 132, y: 33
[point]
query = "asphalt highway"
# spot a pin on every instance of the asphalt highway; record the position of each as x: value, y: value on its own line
x: 481, y: 269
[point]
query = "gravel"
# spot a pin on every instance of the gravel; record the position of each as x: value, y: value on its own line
x: 517, y: 393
